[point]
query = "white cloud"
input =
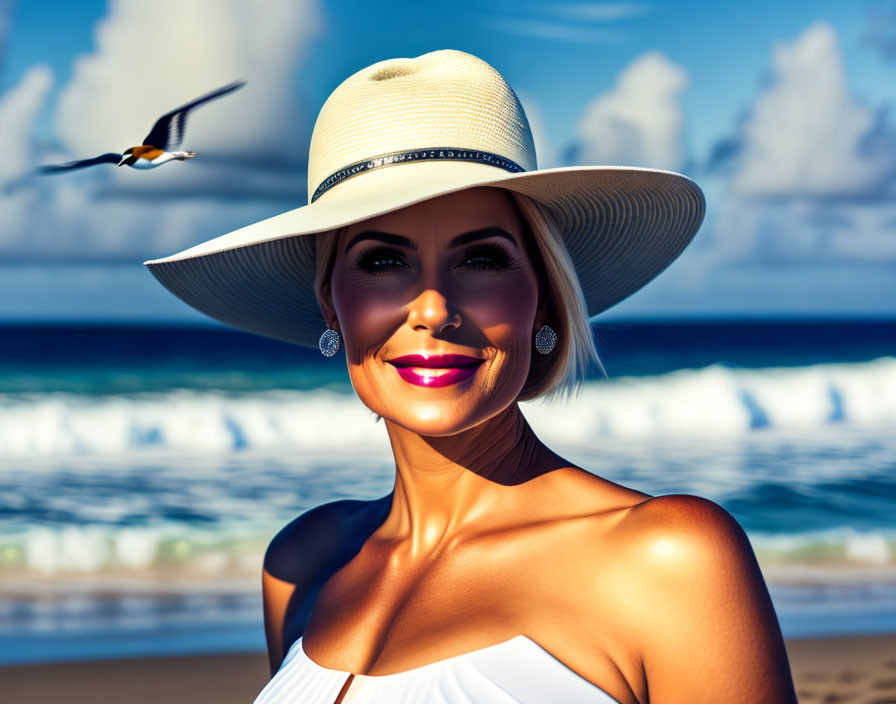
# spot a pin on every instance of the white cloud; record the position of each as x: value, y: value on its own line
x: 573, y: 32
x: 775, y: 240
x: 568, y: 22
x: 20, y: 108
x: 639, y: 122
x: 832, y: 289
x: 802, y: 233
x: 811, y: 171
x: 152, y: 57
x: 780, y: 256
x: 149, y: 58
x: 64, y: 221
x: 596, y: 11
x: 806, y: 133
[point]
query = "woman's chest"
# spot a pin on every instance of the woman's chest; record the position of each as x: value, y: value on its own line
x: 377, y: 618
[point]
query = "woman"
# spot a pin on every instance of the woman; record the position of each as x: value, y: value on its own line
x: 459, y: 281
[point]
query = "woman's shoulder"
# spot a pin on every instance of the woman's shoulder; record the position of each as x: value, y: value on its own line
x: 632, y: 576
x: 314, y: 536
x: 662, y: 544
x: 642, y: 520
x: 694, y: 605
x: 687, y: 565
x: 662, y: 533
x: 300, y: 557
x: 673, y: 530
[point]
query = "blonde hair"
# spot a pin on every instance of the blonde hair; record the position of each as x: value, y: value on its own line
x: 560, y: 372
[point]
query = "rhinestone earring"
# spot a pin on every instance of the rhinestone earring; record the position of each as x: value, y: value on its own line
x: 330, y: 342
x: 545, y: 340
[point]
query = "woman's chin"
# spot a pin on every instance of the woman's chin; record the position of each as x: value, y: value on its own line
x: 432, y: 419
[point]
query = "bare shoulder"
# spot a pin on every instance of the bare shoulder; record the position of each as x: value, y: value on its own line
x: 697, y: 528
x: 297, y: 547
x: 688, y: 547
x: 300, y: 557
x: 699, y: 611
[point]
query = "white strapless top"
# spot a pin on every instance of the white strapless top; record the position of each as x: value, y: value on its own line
x: 517, y: 670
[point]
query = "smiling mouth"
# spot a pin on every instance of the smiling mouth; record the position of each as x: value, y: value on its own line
x: 435, y: 370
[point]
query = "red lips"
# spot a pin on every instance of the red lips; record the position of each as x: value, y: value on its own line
x: 446, y: 369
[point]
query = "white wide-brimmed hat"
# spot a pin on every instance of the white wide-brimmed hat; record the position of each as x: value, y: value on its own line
x: 406, y: 130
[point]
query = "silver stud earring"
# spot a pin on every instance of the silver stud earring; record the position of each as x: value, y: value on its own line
x: 545, y: 339
x: 330, y: 342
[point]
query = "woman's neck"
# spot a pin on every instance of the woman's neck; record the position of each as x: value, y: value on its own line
x: 443, y: 484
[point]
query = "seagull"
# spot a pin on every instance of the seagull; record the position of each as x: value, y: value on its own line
x: 155, y: 148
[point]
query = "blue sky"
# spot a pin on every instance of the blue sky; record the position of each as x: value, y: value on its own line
x: 781, y: 111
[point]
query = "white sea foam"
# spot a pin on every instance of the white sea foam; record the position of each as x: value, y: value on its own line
x: 713, y: 401
x: 837, y: 547
x: 163, y: 551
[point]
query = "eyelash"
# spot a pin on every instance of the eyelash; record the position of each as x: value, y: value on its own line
x: 368, y: 260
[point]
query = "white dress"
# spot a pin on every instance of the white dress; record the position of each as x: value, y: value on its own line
x: 517, y: 670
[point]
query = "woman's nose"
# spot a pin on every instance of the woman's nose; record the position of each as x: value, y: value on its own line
x: 432, y: 311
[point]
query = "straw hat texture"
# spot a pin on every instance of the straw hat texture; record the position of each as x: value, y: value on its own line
x: 402, y: 131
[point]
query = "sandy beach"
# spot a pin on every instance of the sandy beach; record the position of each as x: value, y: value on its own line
x: 851, y: 670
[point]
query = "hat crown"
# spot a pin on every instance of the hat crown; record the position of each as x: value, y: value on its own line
x: 442, y: 99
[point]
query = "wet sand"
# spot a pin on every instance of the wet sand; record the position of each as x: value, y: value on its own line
x: 851, y: 670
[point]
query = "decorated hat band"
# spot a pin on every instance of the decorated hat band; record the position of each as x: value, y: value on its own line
x: 431, y: 154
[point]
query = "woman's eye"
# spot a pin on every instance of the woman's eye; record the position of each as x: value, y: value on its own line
x: 488, y: 257
x: 378, y: 261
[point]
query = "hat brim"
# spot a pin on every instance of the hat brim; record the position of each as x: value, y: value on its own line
x: 621, y: 225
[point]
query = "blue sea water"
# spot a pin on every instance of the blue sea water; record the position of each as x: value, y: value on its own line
x: 143, y: 470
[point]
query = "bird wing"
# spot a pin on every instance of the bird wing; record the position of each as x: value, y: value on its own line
x: 160, y: 133
x: 108, y: 158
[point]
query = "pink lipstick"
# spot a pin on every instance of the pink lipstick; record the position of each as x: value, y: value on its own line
x: 435, y: 370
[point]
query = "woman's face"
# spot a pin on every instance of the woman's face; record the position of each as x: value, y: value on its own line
x: 450, y: 276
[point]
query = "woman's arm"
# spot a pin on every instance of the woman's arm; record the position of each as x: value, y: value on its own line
x: 708, y: 632
x: 293, y: 565
x: 278, y: 584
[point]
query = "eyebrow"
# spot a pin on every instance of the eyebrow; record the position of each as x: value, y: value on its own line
x: 401, y: 241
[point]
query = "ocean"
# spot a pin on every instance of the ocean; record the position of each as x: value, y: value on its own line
x: 144, y: 469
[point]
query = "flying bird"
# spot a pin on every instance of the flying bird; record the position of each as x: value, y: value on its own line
x: 157, y: 146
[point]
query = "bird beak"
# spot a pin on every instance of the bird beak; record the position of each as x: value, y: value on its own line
x: 124, y: 158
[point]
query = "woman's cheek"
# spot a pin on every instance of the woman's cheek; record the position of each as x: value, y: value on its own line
x: 371, y: 321
x: 367, y: 315
x: 511, y: 364
x: 504, y: 313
